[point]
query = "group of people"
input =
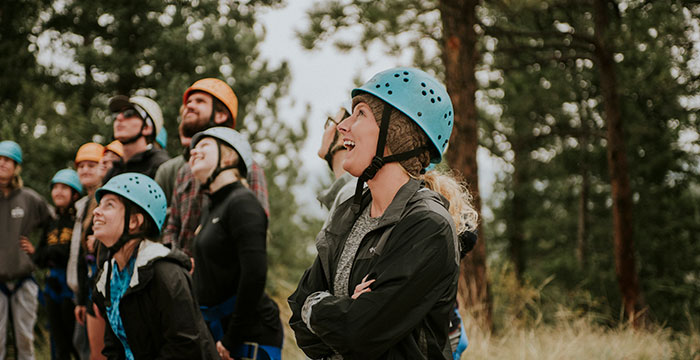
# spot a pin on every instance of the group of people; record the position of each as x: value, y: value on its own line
x: 150, y: 257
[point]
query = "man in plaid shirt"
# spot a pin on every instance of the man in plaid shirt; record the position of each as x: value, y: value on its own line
x: 208, y: 102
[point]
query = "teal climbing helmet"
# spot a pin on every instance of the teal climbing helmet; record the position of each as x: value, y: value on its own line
x: 231, y: 138
x: 420, y: 97
x: 11, y: 149
x: 141, y: 190
x: 162, y: 138
x: 68, y: 177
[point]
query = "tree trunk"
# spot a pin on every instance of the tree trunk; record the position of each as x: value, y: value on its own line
x: 619, y: 174
x: 582, y: 230
x: 518, y: 206
x: 461, y: 57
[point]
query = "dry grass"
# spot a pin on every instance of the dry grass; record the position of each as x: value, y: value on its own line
x: 573, y: 339
x: 570, y: 338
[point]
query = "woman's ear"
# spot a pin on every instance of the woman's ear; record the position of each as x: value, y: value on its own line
x: 135, y: 222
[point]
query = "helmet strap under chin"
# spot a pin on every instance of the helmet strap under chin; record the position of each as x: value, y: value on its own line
x: 379, y: 160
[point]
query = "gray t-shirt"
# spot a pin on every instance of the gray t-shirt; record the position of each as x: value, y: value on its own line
x: 363, y: 225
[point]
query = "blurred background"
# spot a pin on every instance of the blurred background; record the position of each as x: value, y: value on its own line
x: 576, y: 129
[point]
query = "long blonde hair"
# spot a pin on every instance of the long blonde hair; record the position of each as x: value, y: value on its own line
x: 463, y: 213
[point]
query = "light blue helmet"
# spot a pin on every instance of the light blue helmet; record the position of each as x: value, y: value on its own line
x: 141, y: 190
x: 231, y: 138
x: 420, y: 97
x: 162, y: 138
x: 11, y: 149
x: 68, y: 177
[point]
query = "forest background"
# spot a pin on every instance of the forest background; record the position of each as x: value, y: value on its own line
x: 589, y: 239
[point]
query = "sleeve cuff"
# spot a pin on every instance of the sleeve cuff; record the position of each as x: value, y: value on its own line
x: 312, y: 300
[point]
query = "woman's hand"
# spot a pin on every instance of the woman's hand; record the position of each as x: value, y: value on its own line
x: 223, y: 352
x: 362, y: 287
x: 79, y: 312
x: 26, y: 245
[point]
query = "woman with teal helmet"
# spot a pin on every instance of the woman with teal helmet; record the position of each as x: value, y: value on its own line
x: 144, y: 290
x: 385, y: 279
x: 52, y: 253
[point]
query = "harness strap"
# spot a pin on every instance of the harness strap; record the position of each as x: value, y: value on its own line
x: 251, y: 351
x: 213, y: 315
x: 60, y: 292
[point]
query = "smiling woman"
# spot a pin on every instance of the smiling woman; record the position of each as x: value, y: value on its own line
x: 230, y: 250
x: 130, y: 213
x: 385, y: 280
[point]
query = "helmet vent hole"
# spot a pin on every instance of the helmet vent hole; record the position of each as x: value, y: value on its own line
x: 378, y: 86
x: 439, y: 98
x: 432, y: 92
x: 420, y: 113
x: 424, y: 93
x: 449, y: 113
x: 396, y: 75
x: 148, y: 205
x: 439, y: 137
x: 422, y: 84
x: 449, y: 123
x: 387, y: 84
x: 405, y: 72
x: 405, y: 79
x: 389, y: 92
x: 432, y: 100
x: 445, y: 116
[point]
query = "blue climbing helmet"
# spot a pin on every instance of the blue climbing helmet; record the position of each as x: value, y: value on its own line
x: 140, y: 189
x: 11, y: 149
x: 162, y: 138
x: 68, y: 177
x: 420, y: 97
x: 232, y: 139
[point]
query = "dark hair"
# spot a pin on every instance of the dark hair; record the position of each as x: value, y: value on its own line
x: 148, y: 227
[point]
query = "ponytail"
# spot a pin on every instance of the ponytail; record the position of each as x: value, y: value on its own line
x: 466, y: 218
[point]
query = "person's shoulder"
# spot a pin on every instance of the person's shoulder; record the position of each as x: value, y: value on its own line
x: 242, y: 198
x: 31, y: 195
x: 173, y: 164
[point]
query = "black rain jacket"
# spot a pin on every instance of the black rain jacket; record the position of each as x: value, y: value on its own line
x: 160, y: 314
x: 413, y: 255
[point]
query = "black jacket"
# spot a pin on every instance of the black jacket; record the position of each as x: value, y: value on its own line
x: 146, y: 163
x: 54, y: 247
x: 231, y: 259
x: 412, y: 253
x: 160, y: 314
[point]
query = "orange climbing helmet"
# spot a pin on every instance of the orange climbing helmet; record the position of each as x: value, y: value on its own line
x: 218, y: 89
x: 89, y: 152
x: 115, y: 147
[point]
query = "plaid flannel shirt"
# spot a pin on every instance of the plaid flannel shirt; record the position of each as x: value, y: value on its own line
x: 187, y: 202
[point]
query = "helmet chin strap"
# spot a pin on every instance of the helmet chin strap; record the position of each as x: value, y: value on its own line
x: 123, y: 239
x: 135, y: 137
x: 212, y: 117
x: 378, y: 161
x: 218, y: 170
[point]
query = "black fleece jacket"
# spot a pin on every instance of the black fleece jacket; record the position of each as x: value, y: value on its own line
x: 230, y: 259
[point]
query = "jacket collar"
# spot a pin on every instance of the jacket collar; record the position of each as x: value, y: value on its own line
x: 148, y: 253
x: 344, y: 217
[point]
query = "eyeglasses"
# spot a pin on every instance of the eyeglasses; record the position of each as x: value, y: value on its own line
x: 328, y: 123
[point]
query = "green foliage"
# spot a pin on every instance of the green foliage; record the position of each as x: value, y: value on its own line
x: 72, y: 56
